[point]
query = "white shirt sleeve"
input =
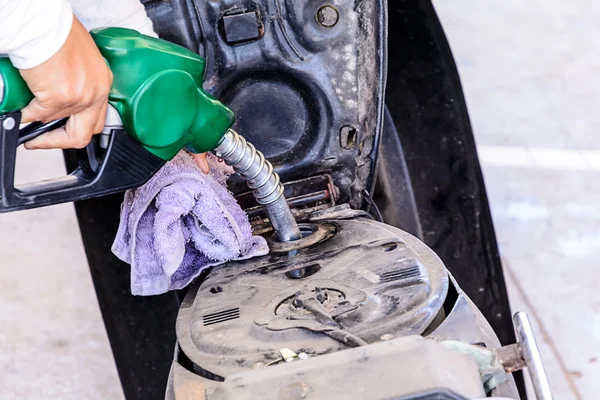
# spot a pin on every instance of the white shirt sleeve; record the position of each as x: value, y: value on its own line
x: 32, y: 31
x: 112, y: 13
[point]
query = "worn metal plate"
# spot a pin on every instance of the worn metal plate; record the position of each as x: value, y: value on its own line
x: 381, y: 282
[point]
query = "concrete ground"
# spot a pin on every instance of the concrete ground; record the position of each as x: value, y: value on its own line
x: 52, y: 341
x: 531, y: 72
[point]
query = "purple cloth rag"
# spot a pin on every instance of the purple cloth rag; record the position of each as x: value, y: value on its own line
x: 179, y: 223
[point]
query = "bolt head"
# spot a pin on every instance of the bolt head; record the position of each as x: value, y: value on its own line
x: 327, y: 16
x: 9, y: 123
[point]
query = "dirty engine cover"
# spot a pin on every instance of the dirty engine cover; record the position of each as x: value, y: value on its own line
x: 375, y: 281
x: 305, y: 79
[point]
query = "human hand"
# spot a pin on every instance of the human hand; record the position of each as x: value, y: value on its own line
x: 73, y: 83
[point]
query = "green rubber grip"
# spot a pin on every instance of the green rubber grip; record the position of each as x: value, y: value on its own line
x: 15, y: 93
x: 157, y: 90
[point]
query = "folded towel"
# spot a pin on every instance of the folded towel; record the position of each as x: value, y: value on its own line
x: 179, y: 223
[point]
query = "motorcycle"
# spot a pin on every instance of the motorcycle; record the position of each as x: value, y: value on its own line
x: 395, y: 289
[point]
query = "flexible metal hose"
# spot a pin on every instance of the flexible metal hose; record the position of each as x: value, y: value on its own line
x: 258, y: 173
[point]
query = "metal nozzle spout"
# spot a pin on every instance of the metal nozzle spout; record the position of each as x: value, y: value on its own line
x: 260, y: 177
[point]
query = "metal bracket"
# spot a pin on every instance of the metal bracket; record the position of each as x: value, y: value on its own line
x: 531, y: 356
x: 525, y: 354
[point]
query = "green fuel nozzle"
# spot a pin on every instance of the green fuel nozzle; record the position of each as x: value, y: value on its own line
x: 162, y: 108
x: 157, y: 91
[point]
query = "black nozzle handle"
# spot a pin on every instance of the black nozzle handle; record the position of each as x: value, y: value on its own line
x: 126, y: 164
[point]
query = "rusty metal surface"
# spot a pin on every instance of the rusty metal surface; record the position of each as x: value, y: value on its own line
x: 304, y: 196
x: 312, y: 234
x: 510, y: 357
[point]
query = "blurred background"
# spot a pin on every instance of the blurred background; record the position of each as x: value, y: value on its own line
x: 530, y: 72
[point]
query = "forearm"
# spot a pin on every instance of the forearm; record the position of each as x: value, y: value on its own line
x: 32, y: 31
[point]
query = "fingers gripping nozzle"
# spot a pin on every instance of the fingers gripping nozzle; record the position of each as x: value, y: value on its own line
x: 158, y: 107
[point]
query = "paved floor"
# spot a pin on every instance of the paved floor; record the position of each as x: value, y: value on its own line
x: 52, y: 341
x: 531, y: 71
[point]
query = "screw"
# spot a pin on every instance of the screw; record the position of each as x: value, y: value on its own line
x: 327, y: 16
x: 9, y: 123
